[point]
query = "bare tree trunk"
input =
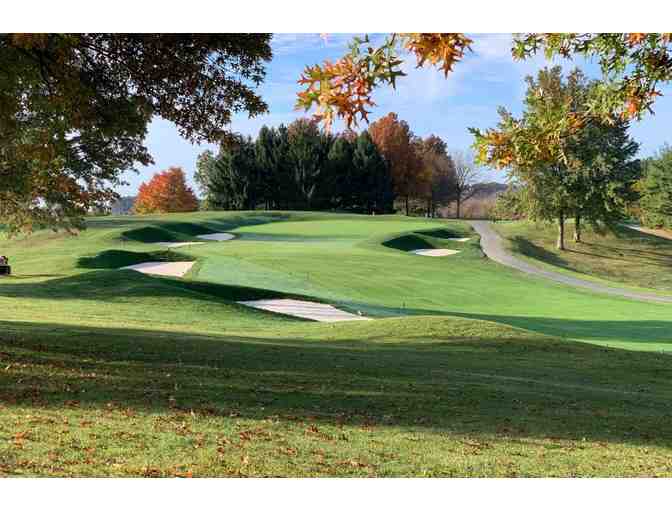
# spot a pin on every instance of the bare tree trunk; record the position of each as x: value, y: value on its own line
x: 577, y: 228
x: 406, y: 205
x: 457, y: 210
x: 561, y: 231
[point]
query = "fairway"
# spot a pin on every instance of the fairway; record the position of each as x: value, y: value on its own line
x: 469, y: 368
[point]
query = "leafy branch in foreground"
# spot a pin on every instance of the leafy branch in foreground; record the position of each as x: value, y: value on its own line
x: 634, y: 66
x: 74, y: 111
x: 344, y: 88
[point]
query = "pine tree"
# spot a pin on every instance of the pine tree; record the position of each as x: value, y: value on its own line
x: 656, y: 189
x: 372, y: 178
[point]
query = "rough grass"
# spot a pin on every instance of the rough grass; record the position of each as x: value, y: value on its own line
x: 625, y: 256
x: 471, y: 370
x: 397, y: 397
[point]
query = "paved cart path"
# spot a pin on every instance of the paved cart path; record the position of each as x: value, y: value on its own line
x: 492, y: 245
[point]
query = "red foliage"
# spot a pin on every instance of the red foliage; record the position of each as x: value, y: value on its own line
x: 166, y: 192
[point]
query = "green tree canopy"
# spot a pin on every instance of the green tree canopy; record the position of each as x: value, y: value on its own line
x: 586, y: 172
x: 656, y: 190
x: 74, y: 110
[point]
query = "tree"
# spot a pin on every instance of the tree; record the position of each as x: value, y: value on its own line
x: 372, y: 181
x: 308, y: 150
x: 269, y: 163
x: 529, y: 147
x: 166, y: 192
x: 656, y: 190
x: 230, y: 180
x: 438, y: 178
x: 394, y: 140
x: 467, y: 175
x: 343, y: 173
x: 74, y: 110
x: 510, y: 204
x: 603, y: 173
x: 634, y: 66
x: 586, y: 172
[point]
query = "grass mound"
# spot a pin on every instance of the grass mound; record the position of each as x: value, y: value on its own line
x: 167, y: 232
x: 114, y: 259
x: 425, y: 239
x: 409, y: 242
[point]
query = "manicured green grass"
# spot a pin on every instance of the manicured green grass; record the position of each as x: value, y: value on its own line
x: 627, y: 257
x: 472, y: 369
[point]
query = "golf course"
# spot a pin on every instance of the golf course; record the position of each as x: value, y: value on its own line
x: 466, y: 367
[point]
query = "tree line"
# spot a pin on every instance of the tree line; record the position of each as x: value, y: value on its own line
x: 301, y: 166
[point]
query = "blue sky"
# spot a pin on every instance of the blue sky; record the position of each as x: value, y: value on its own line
x: 431, y: 104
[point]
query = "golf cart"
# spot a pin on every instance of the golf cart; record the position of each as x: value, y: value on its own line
x: 5, y: 268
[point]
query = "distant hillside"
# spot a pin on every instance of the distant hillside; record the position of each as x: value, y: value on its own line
x: 486, y: 189
x: 123, y: 206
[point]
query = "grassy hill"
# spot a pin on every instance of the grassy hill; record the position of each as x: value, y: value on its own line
x: 626, y: 256
x: 471, y: 370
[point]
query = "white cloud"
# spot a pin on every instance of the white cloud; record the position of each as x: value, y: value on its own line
x: 288, y: 44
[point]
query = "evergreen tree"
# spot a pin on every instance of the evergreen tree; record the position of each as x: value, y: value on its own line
x: 340, y: 170
x: 372, y: 187
x: 308, y: 150
x: 656, y: 190
x: 229, y: 180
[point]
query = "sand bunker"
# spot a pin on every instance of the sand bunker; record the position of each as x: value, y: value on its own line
x: 178, y: 245
x: 304, y: 309
x: 458, y: 239
x: 178, y: 269
x: 435, y: 252
x: 222, y: 236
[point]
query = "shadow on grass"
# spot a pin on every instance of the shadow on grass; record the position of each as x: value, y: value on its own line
x: 114, y: 259
x: 108, y: 286
x: 515, y: 387
x: 523, y: 246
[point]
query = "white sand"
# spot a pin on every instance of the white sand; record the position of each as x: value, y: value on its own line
x: 458, y: 239
x: 178, y: 269
x: 435, y: 252
x: 304, y: 309
x: 222, y: 236
x: 178, y: 245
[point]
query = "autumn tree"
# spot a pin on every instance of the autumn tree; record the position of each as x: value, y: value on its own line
x: 438, y: 178
x: 166, y: 192
x: 74, y: 110
x: 585, y: 171
x: 530, y: 149
x: 394, y: 140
